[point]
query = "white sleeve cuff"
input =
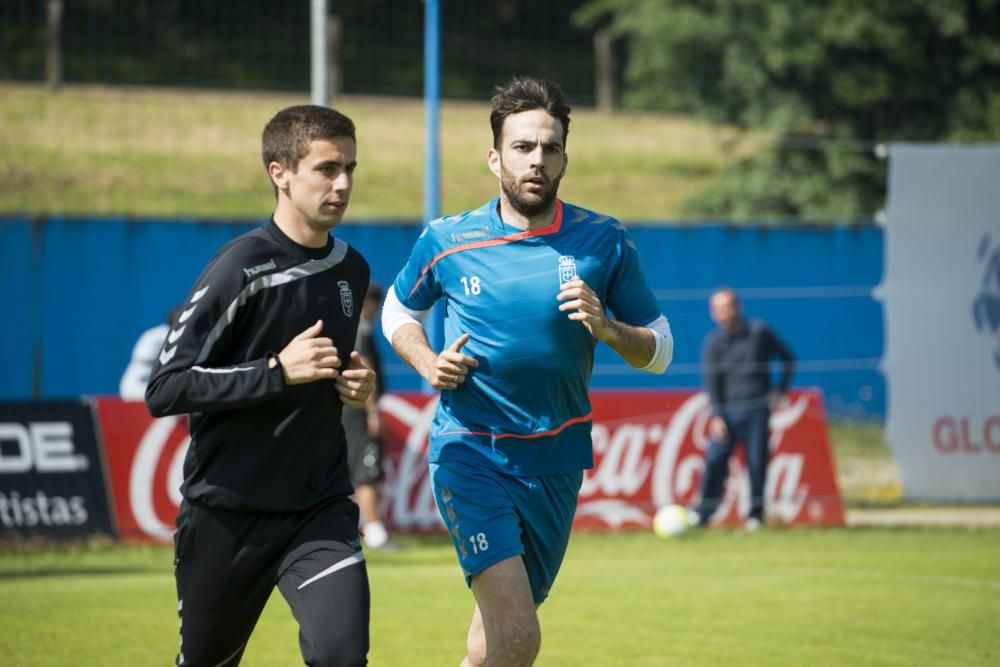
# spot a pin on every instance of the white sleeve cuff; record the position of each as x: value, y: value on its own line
x: 395, y: 314
x: 664, y: 352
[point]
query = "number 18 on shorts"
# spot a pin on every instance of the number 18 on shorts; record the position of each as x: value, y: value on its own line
x: 492, y: 516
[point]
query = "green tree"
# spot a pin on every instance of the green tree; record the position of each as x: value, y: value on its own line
x: 830, y: 80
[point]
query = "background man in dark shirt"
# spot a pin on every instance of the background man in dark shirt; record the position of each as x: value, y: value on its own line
x: 736, y: 359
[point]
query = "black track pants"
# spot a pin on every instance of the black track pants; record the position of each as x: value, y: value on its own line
x: 227, y: 563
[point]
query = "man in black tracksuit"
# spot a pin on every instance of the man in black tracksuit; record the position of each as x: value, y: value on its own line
x: 261, y: 356
x: 737, y: 359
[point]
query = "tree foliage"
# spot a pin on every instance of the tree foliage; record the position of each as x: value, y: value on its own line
x: 264, y: 45
x: 831, y: 80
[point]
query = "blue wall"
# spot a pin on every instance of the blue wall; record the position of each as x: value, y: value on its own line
x: 813, y: 285
x: 77, y: 293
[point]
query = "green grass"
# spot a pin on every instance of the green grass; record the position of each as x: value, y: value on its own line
x: 101, y: 151
x: 907, y: 597
x: 866, y: 470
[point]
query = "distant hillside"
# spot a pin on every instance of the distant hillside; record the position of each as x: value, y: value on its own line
x: 153, y: 152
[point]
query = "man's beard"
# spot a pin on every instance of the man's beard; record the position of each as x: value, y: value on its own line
x: 526, y: 204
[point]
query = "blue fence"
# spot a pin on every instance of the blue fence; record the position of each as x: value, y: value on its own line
x: 77, y: 294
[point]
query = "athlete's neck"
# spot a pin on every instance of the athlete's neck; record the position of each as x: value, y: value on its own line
x: 515, y: 218
x: 298, y: 229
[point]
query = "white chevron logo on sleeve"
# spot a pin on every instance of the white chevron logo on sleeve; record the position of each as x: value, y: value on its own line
x: 200, y: 293
x: 166, y: 355
x: 175, y: 334
x: 186, y: 314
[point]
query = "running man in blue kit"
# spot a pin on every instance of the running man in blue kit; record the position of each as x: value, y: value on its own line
x: 525, y: 280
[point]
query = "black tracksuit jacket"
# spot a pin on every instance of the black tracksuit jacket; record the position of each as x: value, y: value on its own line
x: 257, y: 444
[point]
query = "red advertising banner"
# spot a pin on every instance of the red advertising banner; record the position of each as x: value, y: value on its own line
x: 648, y: 452
x: 145, y: 457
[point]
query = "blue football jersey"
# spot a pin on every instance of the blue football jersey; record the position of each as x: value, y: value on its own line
x: 525, y: 407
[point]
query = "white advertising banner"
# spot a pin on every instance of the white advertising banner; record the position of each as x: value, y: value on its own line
x: 941, y: 298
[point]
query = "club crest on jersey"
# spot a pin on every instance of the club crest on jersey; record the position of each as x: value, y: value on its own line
x: 346, y: 298
x: 567, y: 268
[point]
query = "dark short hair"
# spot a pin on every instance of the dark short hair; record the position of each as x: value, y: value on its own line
x: 525, y: 94
x: 289, y: 134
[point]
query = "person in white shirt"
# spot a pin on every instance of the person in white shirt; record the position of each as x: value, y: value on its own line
x: 132, y: 386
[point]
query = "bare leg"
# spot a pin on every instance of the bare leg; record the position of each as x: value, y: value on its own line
x: 367, y: 497
x: 375, y: 534
x: 504, y: 631
x: 475, y: 643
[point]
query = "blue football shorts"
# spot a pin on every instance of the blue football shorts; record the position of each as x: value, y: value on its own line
x: 492, y: 516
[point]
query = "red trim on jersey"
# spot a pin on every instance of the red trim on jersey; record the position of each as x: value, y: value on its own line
x: 530, y: 436
x: 510, y: 238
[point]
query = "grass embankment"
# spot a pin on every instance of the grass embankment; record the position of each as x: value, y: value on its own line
x: 866, y: 470
x: 101, y: 151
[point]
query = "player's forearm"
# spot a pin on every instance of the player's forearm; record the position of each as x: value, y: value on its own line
x: 636, y: 345
x: 411, y: 344
x: 200, y: 389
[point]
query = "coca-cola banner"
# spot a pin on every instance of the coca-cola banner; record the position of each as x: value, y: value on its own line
x: 51, y: 474
x: 145, y: 457
x: 648, y: 452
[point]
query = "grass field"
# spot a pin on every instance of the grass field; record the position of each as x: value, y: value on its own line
x: 99, y: 151
x: 907, y: 597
